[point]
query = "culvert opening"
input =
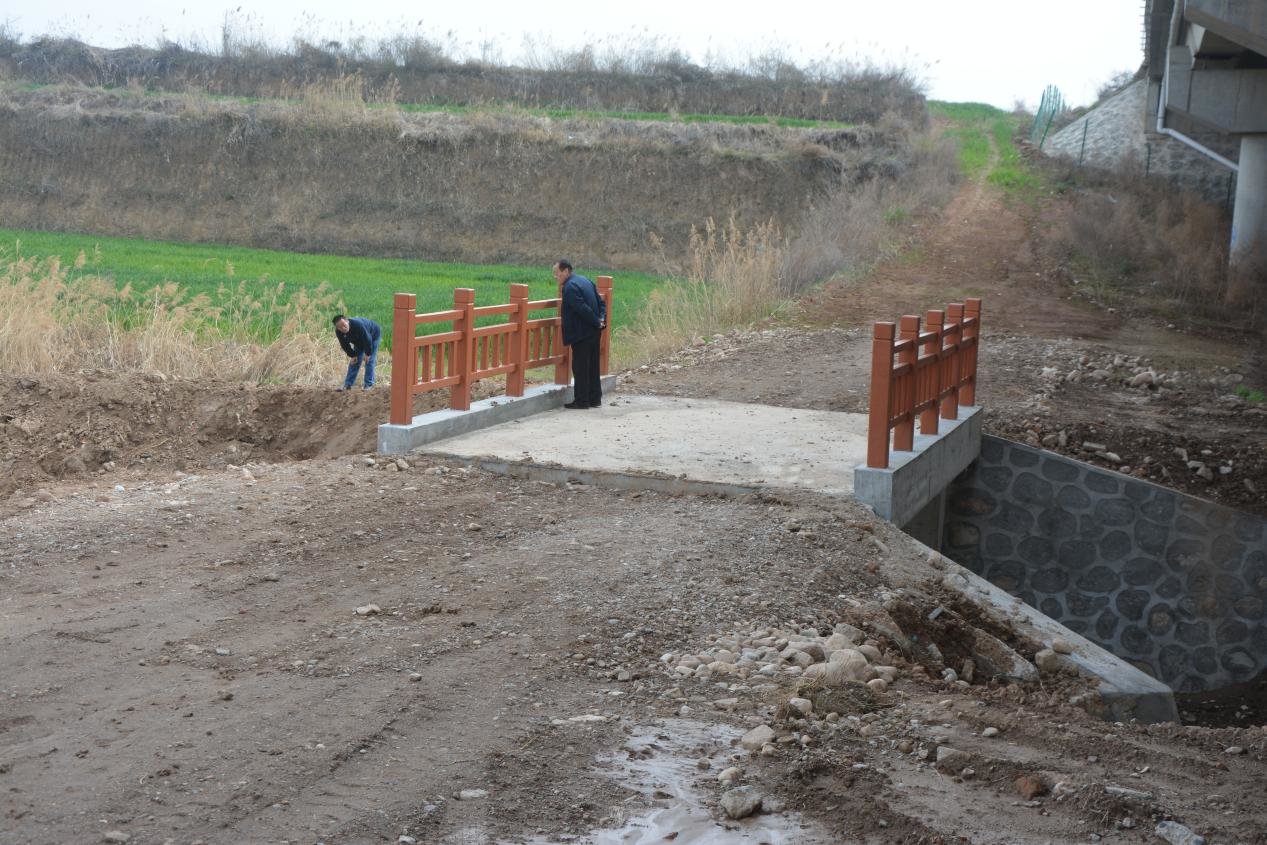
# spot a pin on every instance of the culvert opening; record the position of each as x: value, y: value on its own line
x: 1170, y: 583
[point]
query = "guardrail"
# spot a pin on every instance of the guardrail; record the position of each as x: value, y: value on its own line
x: 929, y: 372
x: 464, y: 354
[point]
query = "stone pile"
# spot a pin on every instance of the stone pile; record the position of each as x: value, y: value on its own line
x: 1126, y: 370
x: 772, y: 653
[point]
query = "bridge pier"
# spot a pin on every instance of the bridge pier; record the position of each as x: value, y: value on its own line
x: 1249, y: 215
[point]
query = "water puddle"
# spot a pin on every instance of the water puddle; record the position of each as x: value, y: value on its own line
x: 659, y: 762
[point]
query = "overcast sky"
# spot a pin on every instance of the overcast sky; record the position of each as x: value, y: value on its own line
x: 995, y: 51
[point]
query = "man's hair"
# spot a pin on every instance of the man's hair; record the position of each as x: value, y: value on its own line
x: 337, y: 318
x: 564, y: 264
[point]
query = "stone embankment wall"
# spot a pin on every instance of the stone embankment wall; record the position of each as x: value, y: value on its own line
x: 1173, y: 584
x: 1115, y: 136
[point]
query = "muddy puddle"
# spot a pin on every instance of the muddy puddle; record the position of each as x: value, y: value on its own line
x: 661, y: 764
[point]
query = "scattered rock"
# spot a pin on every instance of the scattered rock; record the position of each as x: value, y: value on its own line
x: 1177, y: 834
x: 729, y: 776
x: 116, y: 836
x: 1123, y: 792
x: 741, y: 803
x: 1032, y: 786
x: 368, y: 610
x: 952, y: 759
x: 1047, y: 661
x: 801, y: 705
x: 472, y: 794
x: 757, y: 737
x: 1061, y: 646
x: 989, y: 732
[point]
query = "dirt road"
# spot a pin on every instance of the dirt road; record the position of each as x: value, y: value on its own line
x: 219, y: 623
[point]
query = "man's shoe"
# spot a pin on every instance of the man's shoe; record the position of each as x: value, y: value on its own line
x: 597, y: 405
x: 576, y: 406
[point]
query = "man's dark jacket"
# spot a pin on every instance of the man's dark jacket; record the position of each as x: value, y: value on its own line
x: 583, y: 310
x: 361, y: 337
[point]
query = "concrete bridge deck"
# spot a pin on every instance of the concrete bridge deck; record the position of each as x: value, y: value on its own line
x: 699, y: 439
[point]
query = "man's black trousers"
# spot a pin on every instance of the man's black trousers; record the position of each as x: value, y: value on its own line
x: 586, y: 390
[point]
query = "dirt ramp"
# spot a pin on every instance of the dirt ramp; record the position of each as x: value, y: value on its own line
x: 99, y: 422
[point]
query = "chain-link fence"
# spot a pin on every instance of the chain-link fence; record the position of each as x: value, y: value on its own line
x: 1051, y: 107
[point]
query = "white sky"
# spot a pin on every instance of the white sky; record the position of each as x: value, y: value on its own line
x: 994, y: 51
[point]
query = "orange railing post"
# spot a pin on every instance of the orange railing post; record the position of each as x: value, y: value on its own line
x: 904, y: 431
x: 933, y: 322
x: 954, y: 323
x: 404, y: 359
x: 604, y: 341
x: 563, y: 367
x: 518, y: 341
x: 463, y: 348
x: 969, y: 377
x: 881, y: 395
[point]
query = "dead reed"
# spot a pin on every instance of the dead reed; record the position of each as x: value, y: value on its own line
x: 52, y: 323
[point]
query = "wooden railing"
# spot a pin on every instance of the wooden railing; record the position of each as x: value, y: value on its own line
x: 464, y: 354
x: 927, y: 372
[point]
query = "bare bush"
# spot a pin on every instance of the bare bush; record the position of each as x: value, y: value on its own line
x: 1144, y: 244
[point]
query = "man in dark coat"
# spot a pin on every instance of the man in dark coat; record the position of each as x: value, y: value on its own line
x: 584, y: 317
x: 359, y: 337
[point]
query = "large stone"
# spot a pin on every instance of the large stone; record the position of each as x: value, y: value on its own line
x: 847, y: 665
x: 1192, y: 633
x: 1160, y: 619
x: 1136, y: 640
x: 1231, y: 632
x: 814, y: 650
x: 1177, y: 834
x: 1106, y: 626
x: 1150, y: 537
x: 1036, y: 551
x: 1081, y: 604
x: 1008, y: 575
x: 1102, y: 482
x: 1172, y: 662
x: 1115, y: 545
x: 741, y: 803
x: 964, y: 534
x: 1240, y: 663
x: 1012, y: 518
x: 1226, y: 552
x: 1076, y: 554
x: 1161, y: 508
x: 998, y: 545
x: 1055, y: 469
x: 1099, y: 579
x: 996, y: 478
x: 838, y: 641
x: 757, y: 737
x: 952, y: 760
x: 1050, y: 580
x: 1073, y: 498
x: 1131, y: 604
x: 1114, y: 512
x: 1030, y: 489
x: 1141, y: 571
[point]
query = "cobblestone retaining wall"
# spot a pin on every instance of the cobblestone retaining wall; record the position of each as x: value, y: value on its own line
x: 1173, y: 584
x: 1116, y: 138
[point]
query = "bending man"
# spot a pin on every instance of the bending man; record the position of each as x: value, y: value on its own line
x: 359, y: 338
x: 584, y: 317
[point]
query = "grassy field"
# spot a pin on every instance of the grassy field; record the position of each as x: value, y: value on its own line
x: 972, y: 125
x: 557, y: 113
x: 365, y: 285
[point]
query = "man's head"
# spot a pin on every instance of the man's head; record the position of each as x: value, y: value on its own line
x: 341, y: 324
x: 562, y: 270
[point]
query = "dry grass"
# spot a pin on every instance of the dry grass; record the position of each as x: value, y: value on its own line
x: 1146, y: 246
x: 734, y: 277
x: 51, y: 324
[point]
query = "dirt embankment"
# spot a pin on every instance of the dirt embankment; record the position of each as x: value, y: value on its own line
x: 418, y: 72
x: 484, y: 188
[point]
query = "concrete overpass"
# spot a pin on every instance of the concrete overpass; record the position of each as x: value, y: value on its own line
x: 1207, y: 70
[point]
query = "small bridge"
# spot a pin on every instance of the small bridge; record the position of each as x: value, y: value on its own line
x: 923, y: 370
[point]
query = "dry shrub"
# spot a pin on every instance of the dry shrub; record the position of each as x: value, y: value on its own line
x: 52, y: 323
x: 732, y: 278
x: 347, y: 97
x: 856, y: 224
x: 735, y: 277
x: 1145, y: 245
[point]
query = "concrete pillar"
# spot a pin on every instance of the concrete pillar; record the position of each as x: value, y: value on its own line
x: 1249, y: 215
